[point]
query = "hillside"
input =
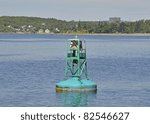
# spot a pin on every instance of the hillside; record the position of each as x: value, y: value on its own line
x: 20, y: 24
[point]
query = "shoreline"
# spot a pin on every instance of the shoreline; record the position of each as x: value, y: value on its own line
x: 114, y: 34
x: 80, y: 34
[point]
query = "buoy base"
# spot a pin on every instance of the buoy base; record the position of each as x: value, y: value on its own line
x: 74, y: 84
x: 75, y: 89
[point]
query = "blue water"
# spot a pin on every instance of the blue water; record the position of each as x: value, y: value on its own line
x: 31, y: 65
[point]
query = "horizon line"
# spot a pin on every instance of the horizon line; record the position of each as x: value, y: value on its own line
x: 71, y: 19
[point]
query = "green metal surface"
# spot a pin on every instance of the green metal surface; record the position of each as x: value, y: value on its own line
x: 76, y: 64
x: 76, y: 83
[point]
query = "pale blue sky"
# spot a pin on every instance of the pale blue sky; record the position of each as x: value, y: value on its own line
x: 77, y: 9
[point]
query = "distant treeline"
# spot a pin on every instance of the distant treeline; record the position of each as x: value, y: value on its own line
x: 19, y: 24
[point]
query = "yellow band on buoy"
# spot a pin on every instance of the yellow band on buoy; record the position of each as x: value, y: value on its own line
x: 75, y: 89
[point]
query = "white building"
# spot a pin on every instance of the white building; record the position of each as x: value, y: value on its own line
x: 47, y: 31
x: 40, y: 31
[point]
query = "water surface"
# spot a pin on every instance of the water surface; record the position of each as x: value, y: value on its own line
x: 31, y: 65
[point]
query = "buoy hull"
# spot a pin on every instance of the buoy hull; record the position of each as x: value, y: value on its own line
x: 75, y: 89
x: 74, y: 84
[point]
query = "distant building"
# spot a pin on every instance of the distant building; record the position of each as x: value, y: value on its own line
x: 57, y: 30
x: 114, y: 20
x: 47, y: 31
x: 9, y: 26
x: 40, y: 31
x: 30, y: 26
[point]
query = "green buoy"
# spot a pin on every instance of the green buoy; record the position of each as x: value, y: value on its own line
x: 76, y: 69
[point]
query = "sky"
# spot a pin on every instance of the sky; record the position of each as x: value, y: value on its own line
x: 84, y: 10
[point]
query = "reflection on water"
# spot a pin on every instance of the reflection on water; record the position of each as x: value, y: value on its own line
x: 75, y: 99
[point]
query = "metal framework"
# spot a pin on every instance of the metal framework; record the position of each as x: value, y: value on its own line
x: 76, y: 63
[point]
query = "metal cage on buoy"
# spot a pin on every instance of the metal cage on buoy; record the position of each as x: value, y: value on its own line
x: 76, y: 69
x: 76, y: 64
